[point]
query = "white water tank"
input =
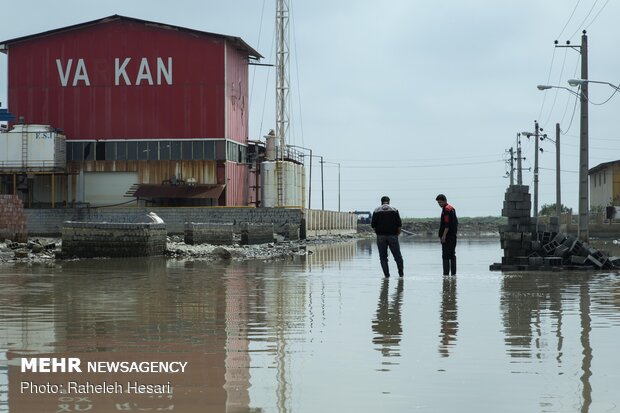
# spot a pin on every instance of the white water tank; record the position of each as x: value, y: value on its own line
x: 293, y: 184
x: 32, y: 147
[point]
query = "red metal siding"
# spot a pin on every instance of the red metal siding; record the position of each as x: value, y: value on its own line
x: 236, y: 95
x: 191, y: 107
x: 236, y: 184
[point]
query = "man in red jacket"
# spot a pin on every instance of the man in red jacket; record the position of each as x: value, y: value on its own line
x: 448, y: 227
x: 386, y: 223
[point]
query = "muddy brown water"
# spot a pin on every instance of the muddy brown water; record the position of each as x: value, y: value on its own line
x: 323, y: 333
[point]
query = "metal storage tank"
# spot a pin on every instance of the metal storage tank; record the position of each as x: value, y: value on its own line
x: 120, y: 79
x: 32, y: 148
x: 293, y: 184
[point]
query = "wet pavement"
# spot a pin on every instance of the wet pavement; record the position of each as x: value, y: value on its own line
x: 323, y: 333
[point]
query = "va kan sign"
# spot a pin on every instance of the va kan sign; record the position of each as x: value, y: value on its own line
x: 127, y: 72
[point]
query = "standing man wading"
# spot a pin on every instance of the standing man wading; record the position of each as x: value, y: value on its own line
x: 448, y: 227
x: 386, y: 223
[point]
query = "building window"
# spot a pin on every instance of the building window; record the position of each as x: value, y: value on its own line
x: 153, y: 151
x: 186, y: 150
x: 210, y: 150
x: 198, y: 150
x: 69, y: 151
x: 220, y: 150
x: 110, y: 151
x: 175, y: 150
x: 89, y: 151
x: 132, y: 151
x: 100, y: 151
x: 164, y: 150
x: 78, y: 151
x: 121, y: 151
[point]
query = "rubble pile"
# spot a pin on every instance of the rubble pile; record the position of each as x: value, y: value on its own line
x: 531, y: 247
x: 35, y: 250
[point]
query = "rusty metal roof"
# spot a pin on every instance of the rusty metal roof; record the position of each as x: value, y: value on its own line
x: 178, y: 191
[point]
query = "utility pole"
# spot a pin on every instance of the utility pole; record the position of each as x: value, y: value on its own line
x: 536, y: 173
x: 322, y: 191
x: 558, y: 196
x: 582, y: 231
x: 512, y: 166
x: 519, y: 158
x: 584, y: 205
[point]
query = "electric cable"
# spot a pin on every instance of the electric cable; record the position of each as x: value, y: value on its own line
x: 584, y: 20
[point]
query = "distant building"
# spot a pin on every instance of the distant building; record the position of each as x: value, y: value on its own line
x: 150, y: 110
x: 605, y: 184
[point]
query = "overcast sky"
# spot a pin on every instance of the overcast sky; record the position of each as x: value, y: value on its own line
x: 411, y: 97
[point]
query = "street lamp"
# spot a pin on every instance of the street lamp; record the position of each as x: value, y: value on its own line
x: 582, y: 229
x: 581, y: 82
x: 335, y: 163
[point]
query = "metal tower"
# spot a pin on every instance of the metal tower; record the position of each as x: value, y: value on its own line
x: 282, y: 77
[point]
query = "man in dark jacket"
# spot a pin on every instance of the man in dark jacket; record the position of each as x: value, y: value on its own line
x: 448, y: 227
x: 386, y: 223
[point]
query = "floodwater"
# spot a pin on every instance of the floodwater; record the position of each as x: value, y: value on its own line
x: 322, y: 333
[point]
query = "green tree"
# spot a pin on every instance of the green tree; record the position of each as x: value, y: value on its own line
x: 549, y: 209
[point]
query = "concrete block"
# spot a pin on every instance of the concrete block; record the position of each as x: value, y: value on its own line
x: 575, y: 259
x: 553, y: 261
x: 256, y: 233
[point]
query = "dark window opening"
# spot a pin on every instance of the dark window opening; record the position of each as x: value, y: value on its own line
x: 187, y: 150
x: 198, y: 150
x: 132, y: 151
x: 175, y: 151
x: 89, y: 153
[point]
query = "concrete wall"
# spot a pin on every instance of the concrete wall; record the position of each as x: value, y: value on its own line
x: 318, y: 222
x: 98, y: 239
x: 208, y: 233
x: 48, y: 222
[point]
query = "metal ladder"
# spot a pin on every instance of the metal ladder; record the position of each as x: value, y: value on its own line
x: 280, y: 179
x: 24, y: 147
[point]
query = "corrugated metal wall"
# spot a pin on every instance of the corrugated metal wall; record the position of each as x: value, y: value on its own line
x: 236, y: 96
x: 155, y: 172
x: 95, y: 82
x: 236, y: 184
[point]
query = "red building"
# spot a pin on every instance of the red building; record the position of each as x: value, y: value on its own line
x: 157, y: 108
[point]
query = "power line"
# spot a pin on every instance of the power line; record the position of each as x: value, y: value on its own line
x: 595, y: 17
x: 423, y: 166
x: 569, y: 19
x: 584, y: 20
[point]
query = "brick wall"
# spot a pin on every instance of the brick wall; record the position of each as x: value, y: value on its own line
x: 12, y: 219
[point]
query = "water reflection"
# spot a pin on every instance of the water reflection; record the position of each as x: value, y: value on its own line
x: 387, y: 324
x: 284, y: 336
x: 448, y: 314
x: 563, y: 303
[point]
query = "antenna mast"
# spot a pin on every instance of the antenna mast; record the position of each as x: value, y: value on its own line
x: 282, y: 80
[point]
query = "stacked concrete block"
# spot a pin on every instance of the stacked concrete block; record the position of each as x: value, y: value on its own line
x: 12, y: 219
x: 208, y: 233
x: 252, y: 233
x: 104, y: 239
x: 516, y: 237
